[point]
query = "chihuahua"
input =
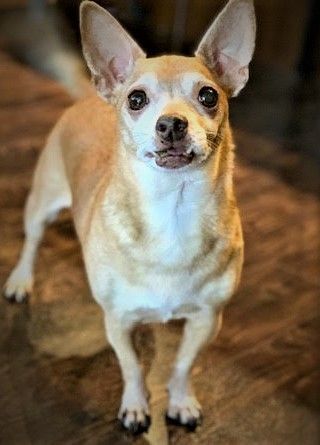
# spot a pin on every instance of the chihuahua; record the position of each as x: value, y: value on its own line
x: 146, y: 167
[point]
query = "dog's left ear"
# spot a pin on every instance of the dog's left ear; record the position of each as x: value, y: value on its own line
x: 228, y: 45
x: 109, y: 51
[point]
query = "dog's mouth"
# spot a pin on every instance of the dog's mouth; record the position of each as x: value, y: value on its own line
x: 173, y: 158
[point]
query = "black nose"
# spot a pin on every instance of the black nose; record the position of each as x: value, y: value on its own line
x: 171, y: 127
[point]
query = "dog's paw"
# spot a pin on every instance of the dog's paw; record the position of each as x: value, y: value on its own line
x: 134, y: 412
x: 185, y: 412
x: 18, y: 287
x: 136, y: 421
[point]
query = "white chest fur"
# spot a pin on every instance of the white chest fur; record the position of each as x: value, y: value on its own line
x: 174, y: 201
x: 174, y: 206
x: 174, y: 215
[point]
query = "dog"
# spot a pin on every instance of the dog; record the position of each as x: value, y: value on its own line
x: 146, y: 166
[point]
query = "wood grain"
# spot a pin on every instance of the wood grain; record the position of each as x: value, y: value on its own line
x: 60, y: 382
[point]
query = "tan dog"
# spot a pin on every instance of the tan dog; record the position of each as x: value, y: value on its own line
x: 147, y: 170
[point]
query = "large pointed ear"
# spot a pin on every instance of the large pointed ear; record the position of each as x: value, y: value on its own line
x: 109, y: 51
x: 228, y: 45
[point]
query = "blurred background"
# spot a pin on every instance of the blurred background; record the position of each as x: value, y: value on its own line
x: 284, y: 85
x: 259, y: 382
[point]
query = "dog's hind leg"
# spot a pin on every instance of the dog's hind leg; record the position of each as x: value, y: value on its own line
x: 50, y: 192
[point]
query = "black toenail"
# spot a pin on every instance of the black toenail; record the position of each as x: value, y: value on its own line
x: 136, y: 428
x: 191, y: 425
x: 147, y: 421
x: 173, y: 420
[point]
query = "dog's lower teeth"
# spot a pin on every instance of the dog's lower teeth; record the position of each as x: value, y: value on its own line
x: 167, y: 155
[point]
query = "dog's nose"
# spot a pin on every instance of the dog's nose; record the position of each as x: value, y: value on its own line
x: 171, y: 127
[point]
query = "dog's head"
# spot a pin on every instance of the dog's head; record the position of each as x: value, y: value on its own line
x: 172, y: 108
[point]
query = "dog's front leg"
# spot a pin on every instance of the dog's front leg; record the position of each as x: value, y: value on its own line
x: 134, y: 411
x: 184, y: 408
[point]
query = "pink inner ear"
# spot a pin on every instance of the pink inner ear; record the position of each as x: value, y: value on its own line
x: 118, y: 67
x: 232, y: 75
x: 224, y: 63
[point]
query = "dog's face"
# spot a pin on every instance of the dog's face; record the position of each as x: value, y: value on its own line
x: 172, y: 108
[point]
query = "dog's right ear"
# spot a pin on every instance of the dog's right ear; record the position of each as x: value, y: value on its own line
x: 109, y: 51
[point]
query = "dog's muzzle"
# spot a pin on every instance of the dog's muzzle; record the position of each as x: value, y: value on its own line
x: 171, y: 132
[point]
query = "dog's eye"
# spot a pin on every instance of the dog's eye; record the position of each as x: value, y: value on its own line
x: 137, y: 99
x: 208, y: 97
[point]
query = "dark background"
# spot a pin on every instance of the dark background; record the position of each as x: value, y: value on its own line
x: 281, y: 100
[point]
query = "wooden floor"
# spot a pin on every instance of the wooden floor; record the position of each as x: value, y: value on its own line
x: 259, y: 383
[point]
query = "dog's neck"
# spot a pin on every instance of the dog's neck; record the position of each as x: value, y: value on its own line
x: 179, y: 195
